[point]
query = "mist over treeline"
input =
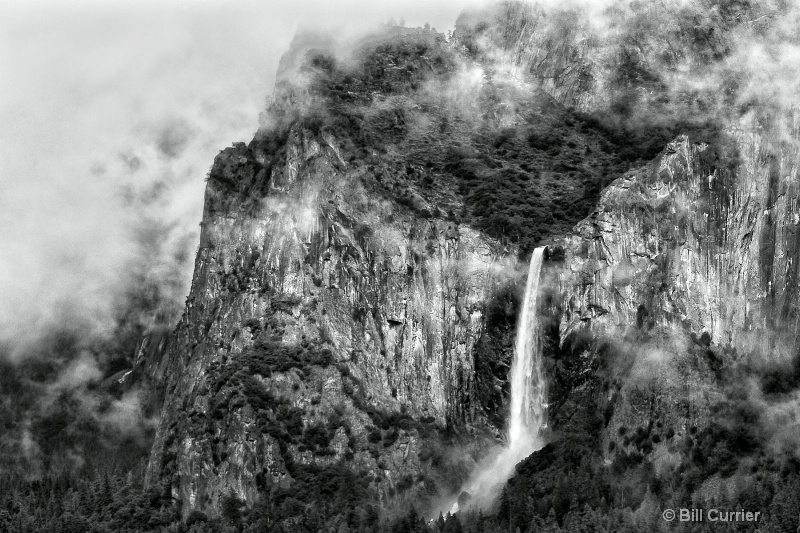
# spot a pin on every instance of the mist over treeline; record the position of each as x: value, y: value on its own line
x: 102, y: 197
x: 490, y: 125
x: 644, y: 60
x: 112, y: 118
x: 106, y: 138
x: 526, y: 104
x: 643, y: 72
x: 514, y: 81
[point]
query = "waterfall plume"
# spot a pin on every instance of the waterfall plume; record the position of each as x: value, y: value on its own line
x: 527, y: 414
x: 528, y: 402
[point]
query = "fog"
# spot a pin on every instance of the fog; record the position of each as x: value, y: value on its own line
x: 109, y: 120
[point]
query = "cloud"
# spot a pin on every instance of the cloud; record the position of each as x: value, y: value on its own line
x: 79, y: 372
x: 110, y: 122
x: 110, y: 117
x: 125, y: 415
x: 173, y: 138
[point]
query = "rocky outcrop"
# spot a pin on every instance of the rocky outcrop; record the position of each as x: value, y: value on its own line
x: 318, y: 302
x: 686, y: 243
x: 686, y: 266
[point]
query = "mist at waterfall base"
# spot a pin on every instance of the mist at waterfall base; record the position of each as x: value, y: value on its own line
x: 527, y: 407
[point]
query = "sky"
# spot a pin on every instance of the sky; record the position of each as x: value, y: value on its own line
x: 110, y: 116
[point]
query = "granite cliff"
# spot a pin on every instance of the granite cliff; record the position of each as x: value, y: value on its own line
x: 673, y: 339
x: 347, y: 336
x: 348, y: 317
x: 320, y: 302
x: 697, y: 248
x: 342, y: 362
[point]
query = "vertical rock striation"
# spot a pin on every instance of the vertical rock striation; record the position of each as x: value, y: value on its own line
x: 331, y: 303
x: 695, y: 249
x: 682, y: 242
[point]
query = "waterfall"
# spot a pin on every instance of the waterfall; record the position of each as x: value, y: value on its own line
x: 527, y: 380
x: 528, y: 402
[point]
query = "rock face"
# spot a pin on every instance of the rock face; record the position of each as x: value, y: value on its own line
x: 686, y: 266
x: 684, y: 243
x: 619, y: 52
x: 338, y: 317
x: 316, y: 302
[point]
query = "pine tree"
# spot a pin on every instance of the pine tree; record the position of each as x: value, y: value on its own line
x: 550, y: 524
x: 452, y: 524
x: 504, y: 512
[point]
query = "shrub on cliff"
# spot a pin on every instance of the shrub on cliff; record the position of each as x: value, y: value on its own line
x: 316, y: 437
